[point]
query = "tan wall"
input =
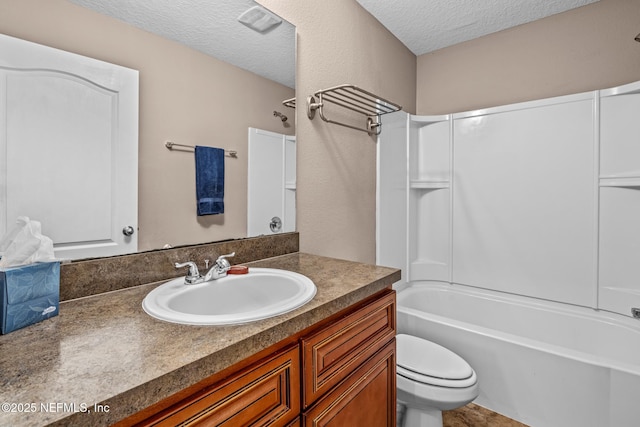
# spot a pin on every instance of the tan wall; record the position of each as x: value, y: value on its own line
x: 185, y: 96
x: 339, y: 42
x: 584, y: 49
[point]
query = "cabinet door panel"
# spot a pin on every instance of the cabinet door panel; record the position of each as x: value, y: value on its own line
x: 333, y: 353
x: 367, y: 398
x: 295, y: 423
x: 268, y: 394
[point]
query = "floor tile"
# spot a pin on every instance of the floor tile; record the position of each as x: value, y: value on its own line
x: 473, y: 415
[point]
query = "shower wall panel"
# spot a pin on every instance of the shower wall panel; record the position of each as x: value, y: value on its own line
x: 540, y: 199
x: 524, y: 205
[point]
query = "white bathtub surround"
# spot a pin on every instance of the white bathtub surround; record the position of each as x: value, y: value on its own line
x: 539, y: 201
x: 271, y: 183
x: 542, y: 363
x: 537, y: 198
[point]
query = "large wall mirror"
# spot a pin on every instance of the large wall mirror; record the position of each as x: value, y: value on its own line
x: 206, y: 80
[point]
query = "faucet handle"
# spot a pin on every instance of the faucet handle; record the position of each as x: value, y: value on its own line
x: 222, y: 261
x: 193, y: 274
x: 232, y: 254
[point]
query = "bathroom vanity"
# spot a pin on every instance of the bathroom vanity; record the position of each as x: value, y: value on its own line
x: 325, y: 377
x: 104, y: 361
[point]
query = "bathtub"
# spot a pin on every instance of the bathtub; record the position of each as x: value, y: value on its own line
x: 542, y: 363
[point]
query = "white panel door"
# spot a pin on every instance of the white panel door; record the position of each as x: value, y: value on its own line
x: 70, y: 148
x: 271, y: 202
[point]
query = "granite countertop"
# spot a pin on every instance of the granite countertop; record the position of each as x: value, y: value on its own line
x: 103, y: 358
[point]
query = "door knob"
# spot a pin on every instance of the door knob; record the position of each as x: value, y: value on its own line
x: 128, y: 230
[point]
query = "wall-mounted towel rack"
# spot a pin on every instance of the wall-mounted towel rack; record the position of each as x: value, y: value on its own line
x: 355, y: 99
x: 291, y: 103
x: 170, y: 145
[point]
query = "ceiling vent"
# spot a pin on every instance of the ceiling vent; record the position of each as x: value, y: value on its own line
x: 259, y: 19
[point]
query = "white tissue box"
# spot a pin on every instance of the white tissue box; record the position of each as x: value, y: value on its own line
x: 28, y: 294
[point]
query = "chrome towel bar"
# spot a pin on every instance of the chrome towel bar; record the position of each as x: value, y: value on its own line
x: 355, y: 99
x: 170, y: 145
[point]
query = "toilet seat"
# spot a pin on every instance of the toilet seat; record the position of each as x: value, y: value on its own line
x: 428, y: 363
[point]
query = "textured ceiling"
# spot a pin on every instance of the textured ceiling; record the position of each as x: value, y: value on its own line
x: 211, y: 26
x: 427, y: 25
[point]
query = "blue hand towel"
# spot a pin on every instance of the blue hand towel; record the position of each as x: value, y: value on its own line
x: 209, y: 180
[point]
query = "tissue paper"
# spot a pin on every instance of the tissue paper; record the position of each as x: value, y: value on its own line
x: 24, y: 244
x: 11, y: 234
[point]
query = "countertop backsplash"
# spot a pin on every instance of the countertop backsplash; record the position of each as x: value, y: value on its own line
x: 78, y: 278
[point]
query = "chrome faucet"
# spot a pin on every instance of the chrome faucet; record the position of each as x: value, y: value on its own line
x: 219, y: 269
x: 193, y: 276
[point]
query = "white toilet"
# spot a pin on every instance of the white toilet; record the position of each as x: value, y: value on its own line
x: 430, y: 379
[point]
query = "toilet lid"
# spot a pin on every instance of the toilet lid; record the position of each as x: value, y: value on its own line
x: 419, y: 358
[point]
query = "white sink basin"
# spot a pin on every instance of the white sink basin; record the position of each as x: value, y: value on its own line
x: 236, y: 298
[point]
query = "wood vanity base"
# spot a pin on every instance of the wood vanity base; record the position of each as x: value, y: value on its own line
x: 341, y: 371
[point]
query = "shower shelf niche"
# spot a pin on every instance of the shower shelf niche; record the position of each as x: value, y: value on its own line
x: 429, y: 197
x: 620, y: 181
x: 428, y: 185
x: 352, y: 98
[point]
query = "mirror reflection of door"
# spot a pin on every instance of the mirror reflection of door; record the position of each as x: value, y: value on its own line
x: 70, y: 144
x: 271, y: 204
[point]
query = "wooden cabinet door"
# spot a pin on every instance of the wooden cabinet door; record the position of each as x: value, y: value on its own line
x: 267, y: 394
x: 295, y: 423
x: 334, y: 352
x: 367, y: 398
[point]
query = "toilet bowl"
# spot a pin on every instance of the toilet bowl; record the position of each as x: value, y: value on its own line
x: 430, y: 379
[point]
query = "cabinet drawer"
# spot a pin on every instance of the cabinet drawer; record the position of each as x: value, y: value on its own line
x: 267, y: 394
x: 366, y: 398
x: 332, y: 353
